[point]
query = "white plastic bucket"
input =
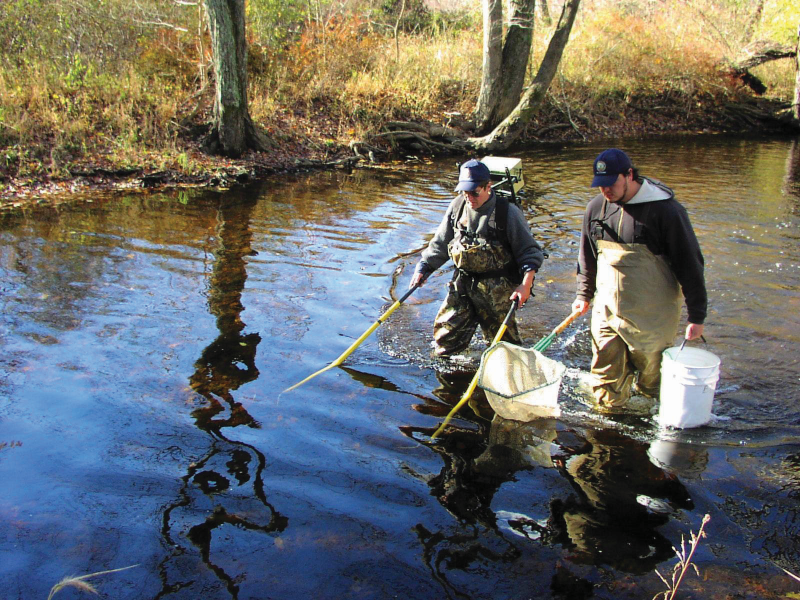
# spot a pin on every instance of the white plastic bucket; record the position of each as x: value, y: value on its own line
x: 688, y: 382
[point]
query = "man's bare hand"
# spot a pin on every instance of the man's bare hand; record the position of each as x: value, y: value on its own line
x: 693, y: 331
x: 580, y: 305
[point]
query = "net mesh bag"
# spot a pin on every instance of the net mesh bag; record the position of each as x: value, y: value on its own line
x: 520, y: 383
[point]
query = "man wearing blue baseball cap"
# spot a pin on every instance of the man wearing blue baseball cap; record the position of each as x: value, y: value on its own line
x: 495, y: 257
x: 639, y: 260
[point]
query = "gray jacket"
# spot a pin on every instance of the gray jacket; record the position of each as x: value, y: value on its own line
x: 527, y: 253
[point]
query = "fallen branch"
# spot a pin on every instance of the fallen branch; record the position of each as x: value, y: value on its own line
x: 411, y: 135
x: 543, y: 130
x: 754, y: 55
x: 407, y: 125
x: 348, y: 161
x: 761, y: 52
x: 100, y: 172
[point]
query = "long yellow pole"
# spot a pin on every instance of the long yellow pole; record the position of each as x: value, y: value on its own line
x: 358, y: 342
x: 474, y: 383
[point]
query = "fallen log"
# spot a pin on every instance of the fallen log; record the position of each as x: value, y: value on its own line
x: 756, y: 54
x: 761, y: 52
x: 404, y: 136
x: 102, y: 172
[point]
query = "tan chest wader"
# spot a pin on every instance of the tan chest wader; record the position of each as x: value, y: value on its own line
x: 636, y: 312
x: 480, y: 291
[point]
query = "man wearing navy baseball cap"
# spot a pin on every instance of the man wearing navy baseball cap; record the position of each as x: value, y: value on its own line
x: 639, y: 260
x: 609, y: 165
x: 495, y: 257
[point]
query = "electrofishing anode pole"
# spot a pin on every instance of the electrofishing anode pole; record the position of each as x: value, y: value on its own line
x: 358, y: 342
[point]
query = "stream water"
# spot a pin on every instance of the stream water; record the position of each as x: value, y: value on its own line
x: 146, y: 339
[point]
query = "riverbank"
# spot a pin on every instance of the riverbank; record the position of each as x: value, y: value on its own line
x: 642, y: 118
x: 135, y: 118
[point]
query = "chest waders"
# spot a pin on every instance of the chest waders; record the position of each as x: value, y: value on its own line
x: 637, y: 308
x: 480, y: 289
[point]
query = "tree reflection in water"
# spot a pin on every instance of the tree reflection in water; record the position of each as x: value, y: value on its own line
x: 792, y: 178
x: 224, y: 490
x: 608, y: 514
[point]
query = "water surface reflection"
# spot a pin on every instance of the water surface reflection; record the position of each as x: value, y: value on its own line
x: 146, y: 339
x: 607, y: 508
x: 223, y: 493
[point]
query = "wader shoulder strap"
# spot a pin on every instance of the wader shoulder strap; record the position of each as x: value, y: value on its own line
x: 500, y: 229
x: 458, y: 209
x: 501, y: 218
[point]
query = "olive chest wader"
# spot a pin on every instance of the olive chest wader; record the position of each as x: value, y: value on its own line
x: 479, y: 292
x: 636, y: 312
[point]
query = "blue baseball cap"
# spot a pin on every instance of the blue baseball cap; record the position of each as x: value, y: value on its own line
x: 472, y: 174
x: 608, y: 165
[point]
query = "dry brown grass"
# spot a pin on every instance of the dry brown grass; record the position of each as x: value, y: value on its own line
x: 80, y: 583
x: 342, y: 81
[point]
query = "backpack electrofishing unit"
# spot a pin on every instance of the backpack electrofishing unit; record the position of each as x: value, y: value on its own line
x: 506, y: 177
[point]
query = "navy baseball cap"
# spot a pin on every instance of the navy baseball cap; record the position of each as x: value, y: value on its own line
x: 472, y: 174
x: 608, y: 165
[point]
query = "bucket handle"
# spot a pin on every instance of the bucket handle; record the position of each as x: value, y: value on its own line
x: 684, y: 343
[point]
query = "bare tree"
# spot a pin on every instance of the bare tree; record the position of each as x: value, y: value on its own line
x: 796, y: 110
x: 233, y: 131
x: 544, y: 8
x: 511, y: 128
x: 753, y: 21
x: 504, y: 62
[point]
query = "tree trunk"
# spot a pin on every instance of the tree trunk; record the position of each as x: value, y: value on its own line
x: 797, y: 79
x: 504, y: 64
x: 233, y: 131
x: 516, y: 51
x: 544, y: 8
x: 509, y: 130
x: 492, y: 62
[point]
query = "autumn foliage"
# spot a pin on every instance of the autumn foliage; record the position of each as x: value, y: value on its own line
x: 80, y: 88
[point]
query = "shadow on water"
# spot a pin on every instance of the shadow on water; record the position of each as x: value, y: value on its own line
x: 228, y: 481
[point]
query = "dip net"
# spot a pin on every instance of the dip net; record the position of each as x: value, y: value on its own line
x: 520, y: 383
